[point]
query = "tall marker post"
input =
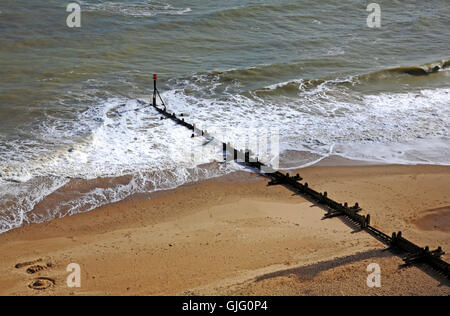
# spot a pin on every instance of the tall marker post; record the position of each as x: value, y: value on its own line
x: 155, y: 78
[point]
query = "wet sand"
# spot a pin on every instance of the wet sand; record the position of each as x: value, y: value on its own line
x: 236, y: 236
x: 435, y: 219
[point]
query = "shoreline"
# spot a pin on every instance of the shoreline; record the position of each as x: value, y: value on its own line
x: 222, y: 235
x: 76, y: 188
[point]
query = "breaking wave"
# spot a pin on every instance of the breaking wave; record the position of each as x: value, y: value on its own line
x: 116, y: 148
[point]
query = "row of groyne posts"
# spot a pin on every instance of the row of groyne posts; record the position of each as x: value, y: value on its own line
x: 414, y: 254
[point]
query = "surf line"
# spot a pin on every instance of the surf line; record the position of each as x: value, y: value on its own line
x: 414, y: 254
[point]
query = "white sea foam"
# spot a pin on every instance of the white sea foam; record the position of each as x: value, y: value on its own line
x: 336, y: 51
x: 156, y: 153
x: 332, y: 115
x: 17, y: 200
x: 113, y: 140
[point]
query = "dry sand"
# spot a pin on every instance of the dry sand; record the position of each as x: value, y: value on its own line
x: 236, y: 236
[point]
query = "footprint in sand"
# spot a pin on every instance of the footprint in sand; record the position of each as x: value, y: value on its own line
x: 33, y: 267
x: 37, y: 268
x: 41, y: 283
x: 26, y: 264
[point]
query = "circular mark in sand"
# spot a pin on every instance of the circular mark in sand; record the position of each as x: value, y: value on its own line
x: 41, y: 284
x: 435, y: 219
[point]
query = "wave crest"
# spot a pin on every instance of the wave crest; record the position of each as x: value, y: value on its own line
x: 135, y: 9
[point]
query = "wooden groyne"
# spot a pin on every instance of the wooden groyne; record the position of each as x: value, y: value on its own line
x: 414, y: 254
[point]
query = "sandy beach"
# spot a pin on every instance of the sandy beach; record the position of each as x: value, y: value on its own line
x: 236, y: 236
